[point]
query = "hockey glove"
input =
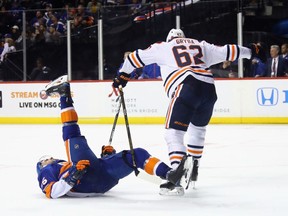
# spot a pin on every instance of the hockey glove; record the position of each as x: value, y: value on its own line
x: 107, y: 150
x: 76, y: 172
x: 258, y: 52
x: 121, y: 79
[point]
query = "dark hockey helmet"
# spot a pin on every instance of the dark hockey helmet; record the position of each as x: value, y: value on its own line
x: 41, y: 162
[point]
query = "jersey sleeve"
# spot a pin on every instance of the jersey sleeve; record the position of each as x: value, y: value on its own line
x: 51, y: 185
x: 216, y: 54
x: 139, y: 58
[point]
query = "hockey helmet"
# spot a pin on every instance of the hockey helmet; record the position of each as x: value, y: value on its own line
x: 40, y: 164
x: 174, y: 33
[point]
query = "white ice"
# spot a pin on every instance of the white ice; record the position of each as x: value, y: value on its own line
x: 244, y: 171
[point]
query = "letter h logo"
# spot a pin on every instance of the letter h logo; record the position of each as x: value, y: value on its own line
x: 267, y: 96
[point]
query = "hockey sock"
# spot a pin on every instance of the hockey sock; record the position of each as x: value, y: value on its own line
x: 154, y: 166
x: 195, y: 140
x: 174, y: 139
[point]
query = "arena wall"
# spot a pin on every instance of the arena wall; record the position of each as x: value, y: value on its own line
x: 253, y: 101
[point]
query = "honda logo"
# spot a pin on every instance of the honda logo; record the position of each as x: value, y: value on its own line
x: 267, y: 96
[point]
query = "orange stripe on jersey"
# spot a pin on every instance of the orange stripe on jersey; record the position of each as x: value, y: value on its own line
x: 69, y: 115
x: 65, y: 167
x: 201, y: 71
x: 233, y: 52
x: 48, y: 189
x: 150, y: 165
x: 135, y: 60
x: 173, y: 77
x: 170, y: 108
x: 67, y: 147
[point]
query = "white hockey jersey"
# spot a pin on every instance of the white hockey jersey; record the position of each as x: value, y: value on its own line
x: 182, y: 57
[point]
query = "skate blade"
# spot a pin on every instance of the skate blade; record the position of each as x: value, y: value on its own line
x: 178, y: 191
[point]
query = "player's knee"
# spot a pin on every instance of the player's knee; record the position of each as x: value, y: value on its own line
x: 141, y: 155
x: 70, y: 131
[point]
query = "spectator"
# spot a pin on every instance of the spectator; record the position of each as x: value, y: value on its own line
x: 39, y: 34
x: 82, y: 19
x: 53, y: 36
x: 258, y: 68
x: 151, y: 71
x: 284, y: 51
x: 48, y: 13
x: 38, y: 19
x: 41, y: 72
x: 226, y: 69
x: 16, y: 35
x: 59, y: 26
x: 1, y: 65
x: 276, y: 65
x: 93, y: 6
x: 8, y: 47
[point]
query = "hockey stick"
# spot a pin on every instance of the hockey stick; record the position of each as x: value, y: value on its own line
x: 128, y: 130
x: 115, y: 121
x: 142, y: 175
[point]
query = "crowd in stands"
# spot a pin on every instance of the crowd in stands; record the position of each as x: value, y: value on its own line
x: 47, y: 23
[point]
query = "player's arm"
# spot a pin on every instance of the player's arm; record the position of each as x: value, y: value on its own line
x: 231, y: 52
x: 71, y: 177
x: 137, y: 59
x: 57, y: 189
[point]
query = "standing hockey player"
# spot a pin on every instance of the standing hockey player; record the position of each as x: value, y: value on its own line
x: 84, y: 174
x: 189, y: 84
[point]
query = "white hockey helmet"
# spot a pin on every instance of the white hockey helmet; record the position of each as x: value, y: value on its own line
x: 174, y: 33
x: 40, y: 164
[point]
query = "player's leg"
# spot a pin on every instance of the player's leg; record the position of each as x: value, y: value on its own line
x: 181, y: 108
x: 196, y: 132
x: 76, y: 144
x: 120, y: 165
x: 187, y: 99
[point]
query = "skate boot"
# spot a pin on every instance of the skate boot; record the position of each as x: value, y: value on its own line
x: 172, y: 186
x: 191, y: 175
x: 170, y: 189
x: 58, y: 86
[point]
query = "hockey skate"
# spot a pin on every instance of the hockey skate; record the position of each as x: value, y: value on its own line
x: 59, y: 86
x: 172, y: 186
x: 191, y: 175
x: 169, y: 189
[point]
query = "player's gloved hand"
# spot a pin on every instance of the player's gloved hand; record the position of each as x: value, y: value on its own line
x: 76, y: 172
x: 107, y: 150
x: 121, y: 79
x: 258, y: 52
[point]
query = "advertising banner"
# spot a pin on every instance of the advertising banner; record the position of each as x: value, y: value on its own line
x: 239, y: 101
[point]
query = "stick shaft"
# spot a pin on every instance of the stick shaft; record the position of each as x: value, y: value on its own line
x: 128, y: 130
x: 114, y: 123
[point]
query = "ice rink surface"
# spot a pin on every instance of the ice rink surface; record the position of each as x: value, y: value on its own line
x: 244, y: 171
